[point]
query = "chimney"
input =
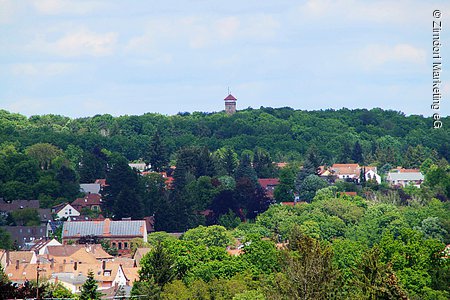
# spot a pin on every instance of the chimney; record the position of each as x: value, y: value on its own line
x: 106, y: 226
x: 103, y: 265
x: 17, y: 264
x: 75, y: 265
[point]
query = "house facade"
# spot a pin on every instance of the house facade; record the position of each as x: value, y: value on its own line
x: 65, y: 210
x: 405, y: 178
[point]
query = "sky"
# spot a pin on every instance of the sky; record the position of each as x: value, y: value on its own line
x: 82, y: 58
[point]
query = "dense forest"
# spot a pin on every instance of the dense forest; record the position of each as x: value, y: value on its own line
x: 385, y: 243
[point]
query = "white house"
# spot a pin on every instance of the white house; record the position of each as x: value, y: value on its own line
x: 372, y: 175
x: 65, y: 210
x: 405, y: 179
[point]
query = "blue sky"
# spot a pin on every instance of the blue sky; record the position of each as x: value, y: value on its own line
x: 81, y: 58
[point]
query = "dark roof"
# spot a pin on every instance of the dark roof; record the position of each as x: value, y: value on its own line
x: 230, y: 98
x: 104, y: 228
x: 18, y: 204
x: 26, y: 234
x: 45, y: 214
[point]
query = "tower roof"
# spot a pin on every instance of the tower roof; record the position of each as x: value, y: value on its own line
x: 230, y: 98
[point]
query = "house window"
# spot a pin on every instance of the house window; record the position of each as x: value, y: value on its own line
x: 114, y: 245
x: 120, y: 245
x: 125, y: 245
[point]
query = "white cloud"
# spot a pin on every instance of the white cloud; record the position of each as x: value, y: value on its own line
x: 57, y: 7
x: 199, y: 32
x: 41, y: 69
x: 377, y: 55
x: 82, y: 42
x: 7, y: 11
x: 344, y: 11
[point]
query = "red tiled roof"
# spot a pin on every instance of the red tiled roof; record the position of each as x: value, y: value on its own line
x: 230, y: 98
x: 346, y: 168
x: 264, y: 182
x: 102, y: 182
x: 88, y: 200
x: 349, y: 193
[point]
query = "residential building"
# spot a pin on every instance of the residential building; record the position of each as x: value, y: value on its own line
x: 405, y: 178
x: 91, y: 201
x: 269, y: 184
x: 23, y: 236
x: 18, y: 204
x: 40, y: 246
x: 65, y: 210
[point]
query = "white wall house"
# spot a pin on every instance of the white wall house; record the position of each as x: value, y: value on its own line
x: 405, y: 179
x: 67, y: 211
x: 370, y: 175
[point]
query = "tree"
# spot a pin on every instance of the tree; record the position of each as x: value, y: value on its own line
x: 262, y: 163
x: 310, y: 185
x: 26, y: 217
x: 245, y: 169
x: 209, y: 236
x: 357, y: 153
x: 89, y: 288
x: 157, y: 153
x: 122, y: 194
x: 284, y: 192
x: 308, y: 272
x: 227, y: 160
x: 310, y: 167
x: 44, y: 153
x: 157, y: 266
x: 93, y: 165
x: 375, y: 279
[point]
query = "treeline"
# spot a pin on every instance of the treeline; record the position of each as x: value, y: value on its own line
x: 336, y: 247
x: 384, y: 136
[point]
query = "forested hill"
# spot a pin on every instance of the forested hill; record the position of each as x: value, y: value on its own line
x: 286, y: 133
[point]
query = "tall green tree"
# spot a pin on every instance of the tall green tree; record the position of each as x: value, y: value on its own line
x: 158, y: 265
x: 357, y: 153
x: 157, y: 155
x: 89, y: 288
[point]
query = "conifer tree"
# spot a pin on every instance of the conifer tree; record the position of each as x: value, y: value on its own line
x: 357, y: 153
x: 89, y: 288
x: 157, y: 153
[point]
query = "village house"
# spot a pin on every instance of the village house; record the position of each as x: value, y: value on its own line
x: 118, y: 233
x: 24, y: 236
x: 349, y: 172
x: 90, y: 201
x: 269, y: 184
x: 65, y: 210
x: 405, y: 177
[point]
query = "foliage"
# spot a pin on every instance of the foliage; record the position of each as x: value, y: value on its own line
x: 209, y: 236
x: 89, y: 288
x: 157, y: 266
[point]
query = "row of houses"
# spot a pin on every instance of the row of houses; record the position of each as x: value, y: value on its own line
x: 69, y: 265
x: 398, y: 177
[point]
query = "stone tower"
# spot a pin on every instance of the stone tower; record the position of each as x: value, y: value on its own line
x: 230, y: 104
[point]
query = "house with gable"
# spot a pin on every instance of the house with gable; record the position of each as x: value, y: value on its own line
x: 65, y: 210
x: 91, y: 201
x: 405, y: 177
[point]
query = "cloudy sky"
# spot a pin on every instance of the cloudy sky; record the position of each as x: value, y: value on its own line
x: 81, y: 58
